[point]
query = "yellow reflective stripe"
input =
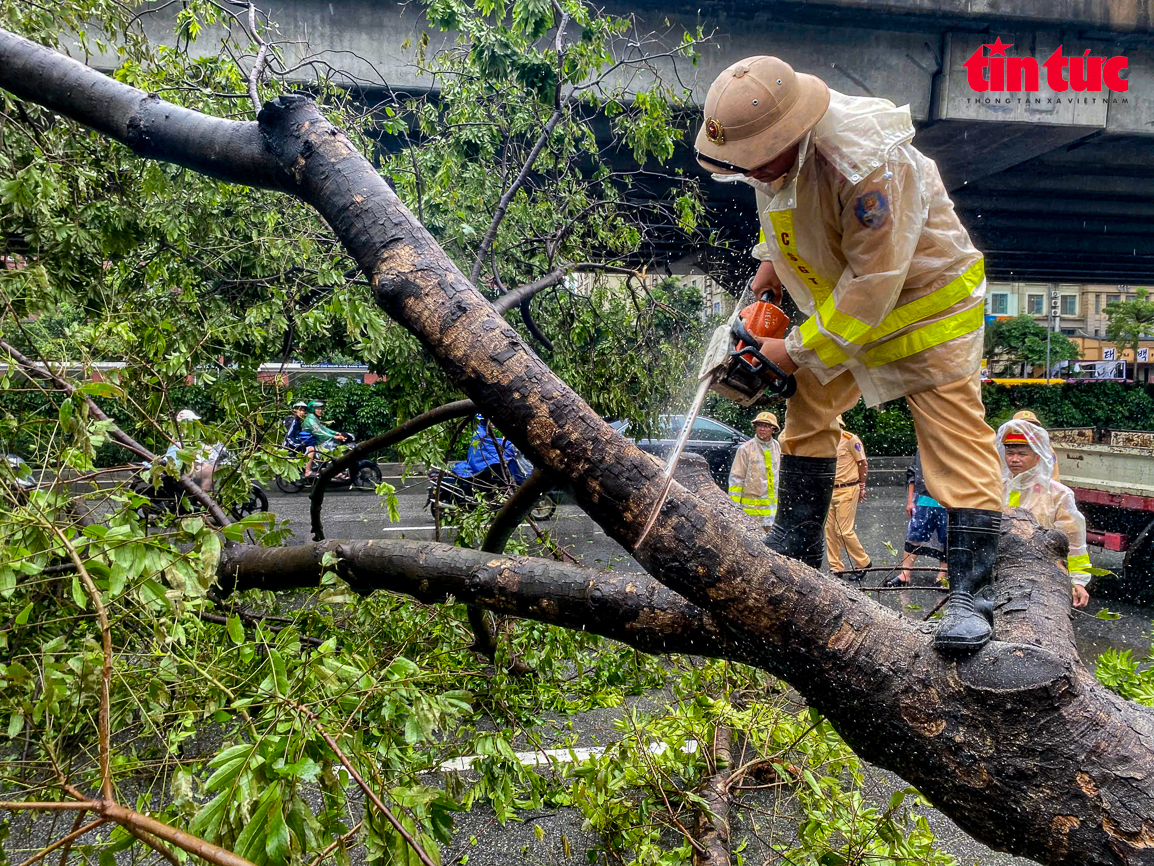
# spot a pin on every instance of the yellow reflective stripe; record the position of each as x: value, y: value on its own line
x: 825, y: 348
x: 782, y: 222
x: 772, y: 488
x: 1015, y: 498
x: 1080, y: 563
x: 751, y: 501
x: 934, y: 334
x: 760, y: 512
x: 852, y: 330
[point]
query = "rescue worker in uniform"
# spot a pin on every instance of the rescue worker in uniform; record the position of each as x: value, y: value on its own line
x: 849, y: 488
x: 753, y: 476
x: 857, y: 225
x: 1027, y: 467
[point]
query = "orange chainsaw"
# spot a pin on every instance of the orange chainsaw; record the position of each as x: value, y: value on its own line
x: 735, y: 368
x: 748, y: 375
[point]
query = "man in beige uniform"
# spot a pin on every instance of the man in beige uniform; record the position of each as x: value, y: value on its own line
x: 848, y: 490
x: 857, y: 225
x: 753, y: 476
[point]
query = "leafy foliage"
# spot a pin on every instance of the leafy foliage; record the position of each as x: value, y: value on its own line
x: 1131, y: 678
x: 1023, y: 340
x: 1128, y: 322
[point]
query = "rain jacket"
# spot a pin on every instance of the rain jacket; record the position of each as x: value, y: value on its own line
x: 753, y: 478
x: 486, y: 450
x: 864, y: 236
x: 312, y: 426
x: 1051, y: 502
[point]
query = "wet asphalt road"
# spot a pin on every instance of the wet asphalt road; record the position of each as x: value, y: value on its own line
x: 881, y: 526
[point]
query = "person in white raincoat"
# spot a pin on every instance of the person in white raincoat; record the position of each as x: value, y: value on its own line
x: 1027, y: 472
x: 857, y: 225
x: 753, y: 476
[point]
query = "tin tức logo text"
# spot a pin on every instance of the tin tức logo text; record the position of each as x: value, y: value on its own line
x: 997, y: 73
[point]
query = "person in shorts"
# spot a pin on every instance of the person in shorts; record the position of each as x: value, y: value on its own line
x: 926, y: 534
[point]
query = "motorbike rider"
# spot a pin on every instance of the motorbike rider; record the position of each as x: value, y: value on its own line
x: 296, y: 438
x: 292, y: 426
x: 323, y: 437
x: 189, y: 433
x: 491, y: 460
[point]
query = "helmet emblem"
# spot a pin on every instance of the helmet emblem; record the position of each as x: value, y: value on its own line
x: 714, y: 131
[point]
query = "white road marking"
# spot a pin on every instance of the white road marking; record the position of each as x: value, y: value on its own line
x: 544, y: 757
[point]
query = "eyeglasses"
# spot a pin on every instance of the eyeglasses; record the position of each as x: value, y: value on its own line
x: 720, y: 163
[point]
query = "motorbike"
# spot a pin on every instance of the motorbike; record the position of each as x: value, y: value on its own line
x: 448, y: 490
x: 363, y: 475
x: 166, y: 496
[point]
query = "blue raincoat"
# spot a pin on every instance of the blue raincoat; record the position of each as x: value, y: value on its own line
x: 483, y: 453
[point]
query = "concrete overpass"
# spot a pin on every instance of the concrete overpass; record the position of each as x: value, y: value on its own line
x: 1053, y: 187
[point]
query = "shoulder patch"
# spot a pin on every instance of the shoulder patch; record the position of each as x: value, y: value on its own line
x: 872, y: 209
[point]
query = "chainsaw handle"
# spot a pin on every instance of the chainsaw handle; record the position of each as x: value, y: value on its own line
x: 777, y: 381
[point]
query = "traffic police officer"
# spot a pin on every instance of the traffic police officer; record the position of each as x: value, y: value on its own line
x: 857, y: 225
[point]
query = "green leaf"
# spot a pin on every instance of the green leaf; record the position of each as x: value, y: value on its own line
x: 276, y: 843
x: 15, y: 725
x: 235, y: 629
x: 280, y: 677
x: 78, y: 594
x: 1104, y: 613
x: 100, y: 389
x: 22, y: 617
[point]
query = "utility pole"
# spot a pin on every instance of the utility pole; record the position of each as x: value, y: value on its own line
x: 1055, y: 300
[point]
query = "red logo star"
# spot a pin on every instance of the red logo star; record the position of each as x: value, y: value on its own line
x: 999, y: 47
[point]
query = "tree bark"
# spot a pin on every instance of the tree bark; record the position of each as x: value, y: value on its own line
x: 1017, y: 743
x: 631, y: 608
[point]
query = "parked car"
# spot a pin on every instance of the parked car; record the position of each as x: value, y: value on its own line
x: 716, y: 442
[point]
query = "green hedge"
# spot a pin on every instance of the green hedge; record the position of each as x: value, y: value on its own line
x: 364, y: 410
x: 889, y: 430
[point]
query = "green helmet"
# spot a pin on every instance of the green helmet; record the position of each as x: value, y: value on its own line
x: 315, y: 404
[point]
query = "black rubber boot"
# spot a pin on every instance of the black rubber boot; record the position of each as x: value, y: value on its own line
x: 804, y: 489
x: 967, y: 623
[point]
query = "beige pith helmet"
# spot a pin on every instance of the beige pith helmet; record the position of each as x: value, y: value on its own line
x: 755, y: 110
x: 1028, y: 416
x: 767, y: 418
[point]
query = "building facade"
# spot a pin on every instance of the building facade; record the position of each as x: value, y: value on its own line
x: 1081, y: 315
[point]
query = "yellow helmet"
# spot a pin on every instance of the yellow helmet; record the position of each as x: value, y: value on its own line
x: 767, y: 418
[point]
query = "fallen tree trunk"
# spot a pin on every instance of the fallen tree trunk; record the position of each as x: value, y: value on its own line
x: 1017, y: 743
